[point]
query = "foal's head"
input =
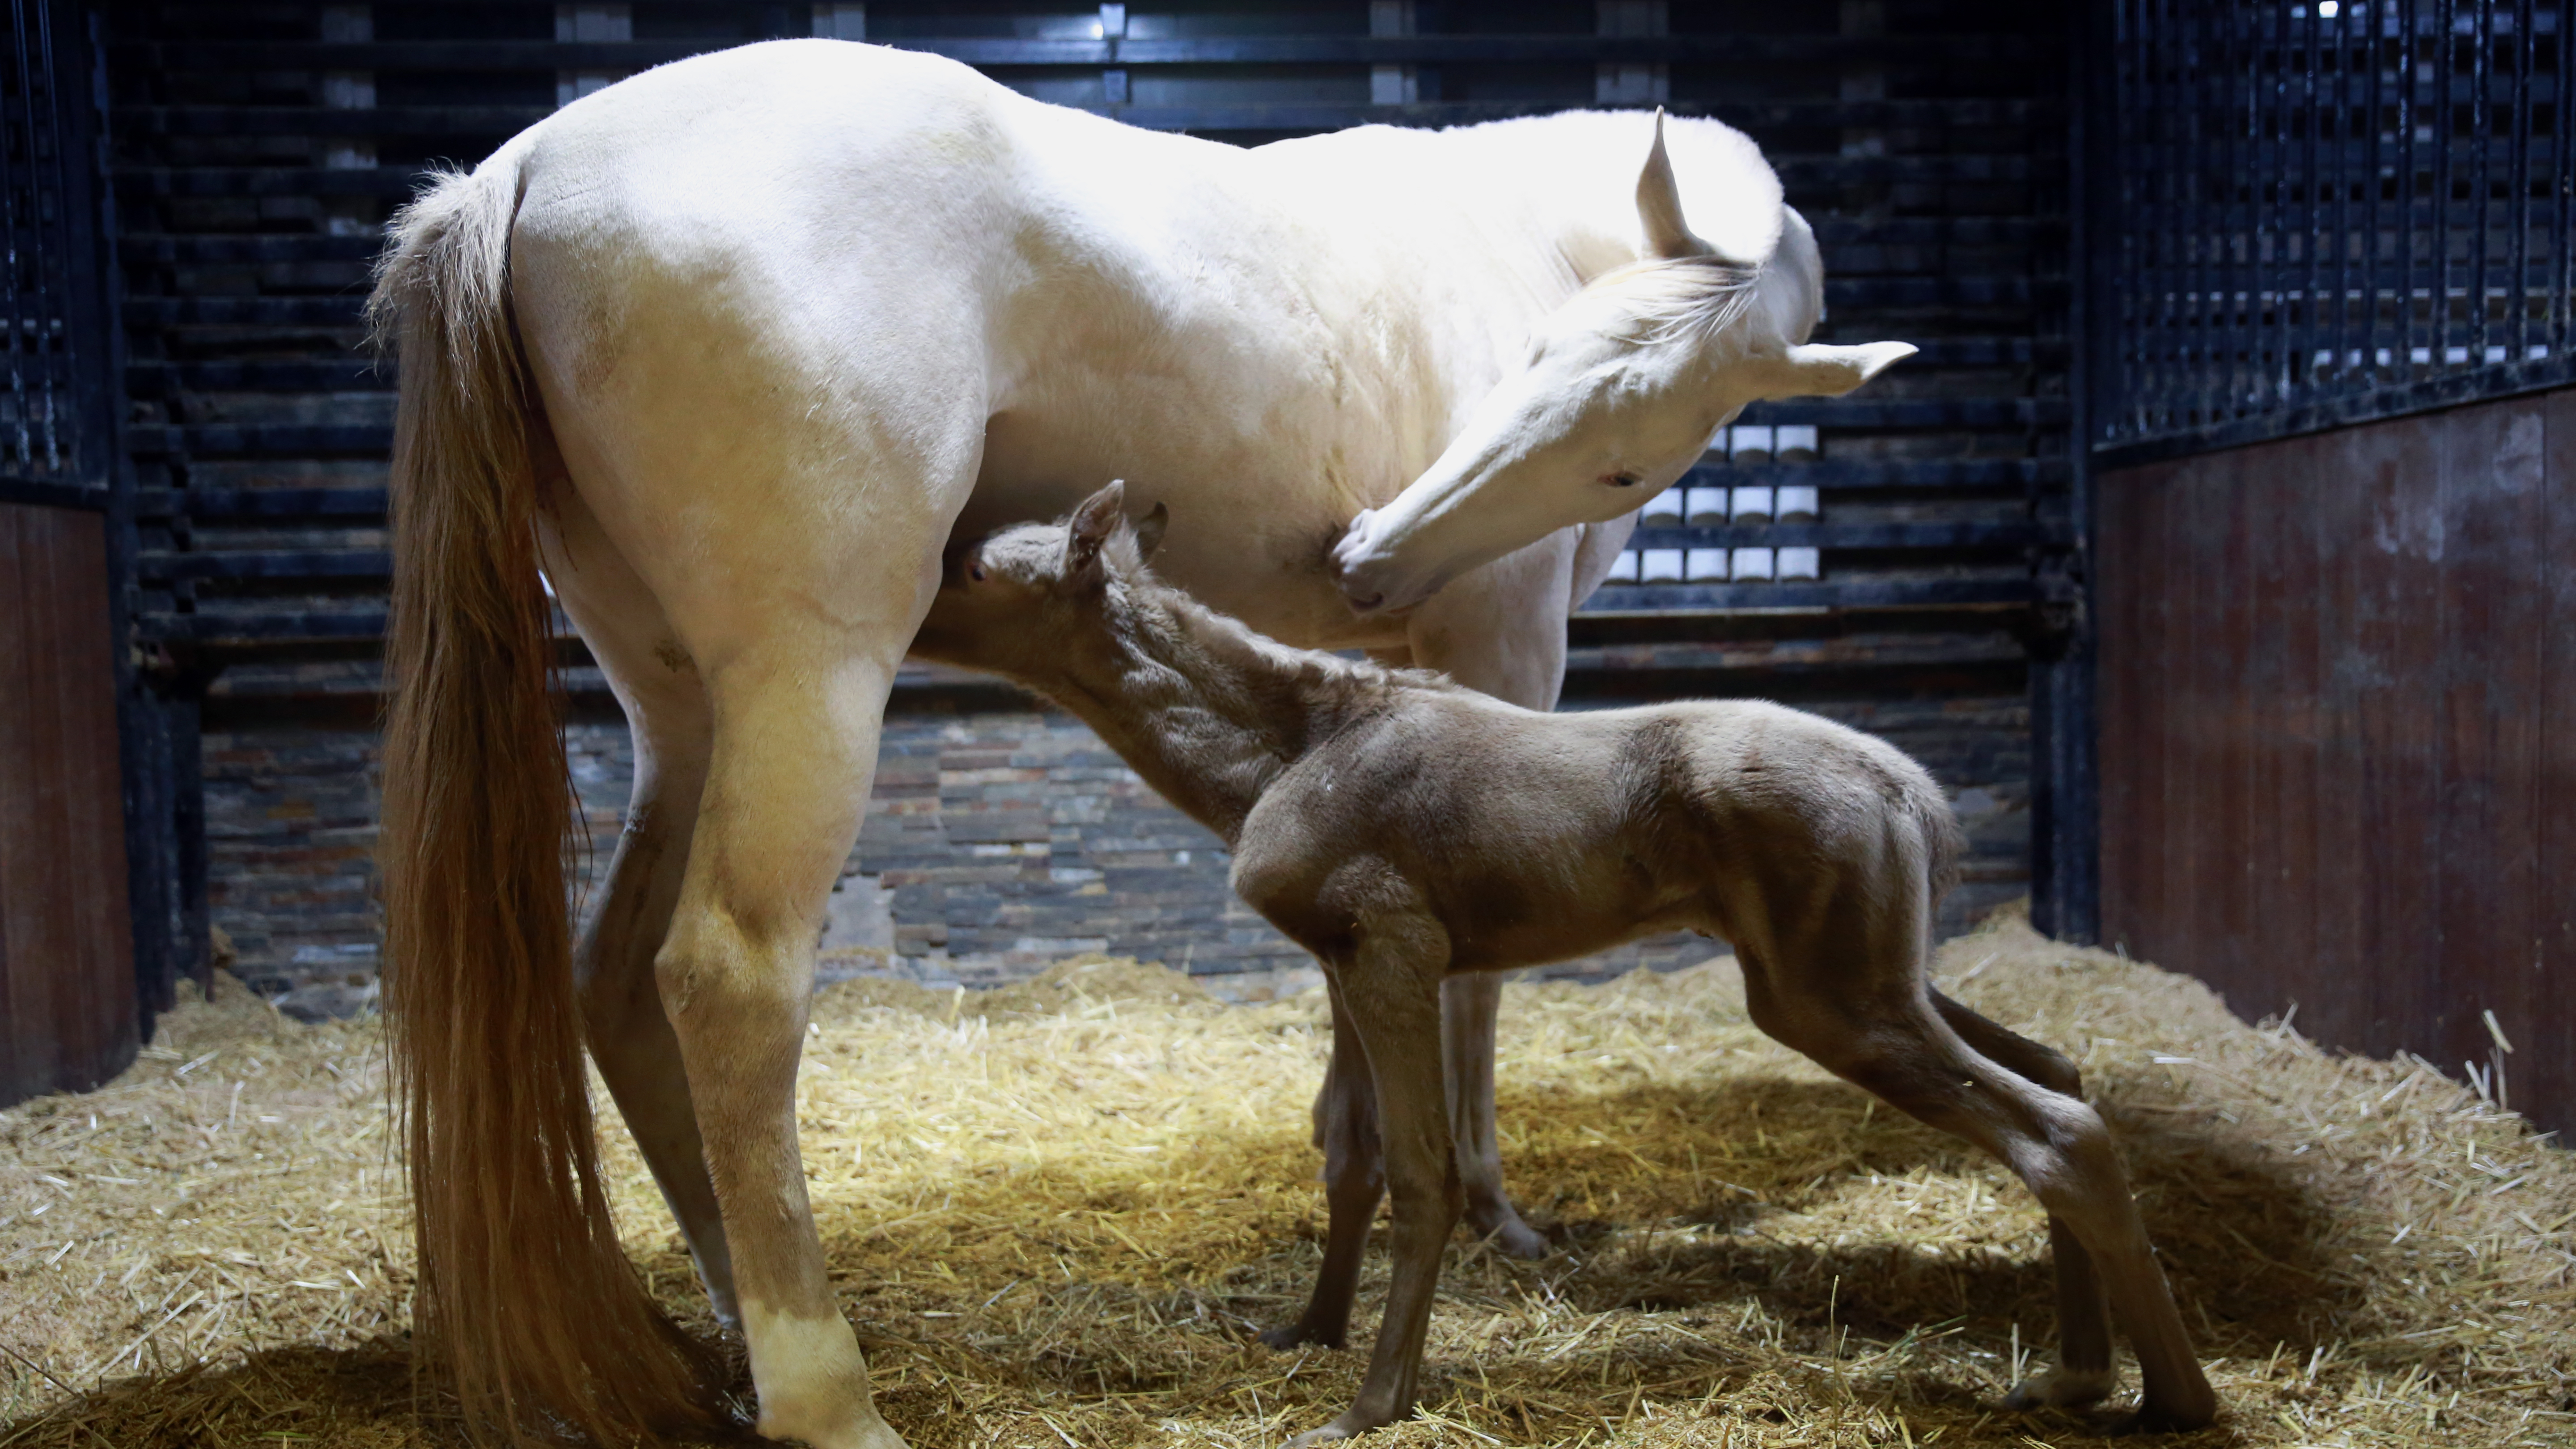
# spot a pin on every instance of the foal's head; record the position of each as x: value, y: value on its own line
x: 1623, y: 386
x: 1017, y: 600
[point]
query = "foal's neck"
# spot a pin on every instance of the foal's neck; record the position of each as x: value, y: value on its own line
x: 1209, y: 712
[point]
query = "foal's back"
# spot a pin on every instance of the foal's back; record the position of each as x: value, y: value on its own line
x: 1536, y: 837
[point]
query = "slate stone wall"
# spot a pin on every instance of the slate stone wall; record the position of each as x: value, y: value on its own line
x: 1001, y: 837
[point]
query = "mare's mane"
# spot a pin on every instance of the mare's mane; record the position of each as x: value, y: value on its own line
x: 1680, y: 299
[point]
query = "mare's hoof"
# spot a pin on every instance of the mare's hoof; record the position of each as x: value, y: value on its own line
x: 867, y: 1431
x: 1349, y: 1425
x: 1296, y: 1335
x: 2062, y: 1388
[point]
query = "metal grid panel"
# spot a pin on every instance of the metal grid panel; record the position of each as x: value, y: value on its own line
x: 2332, y: 210
x: 40, y: 228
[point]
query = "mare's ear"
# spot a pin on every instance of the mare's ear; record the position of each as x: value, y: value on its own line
x: 1088, y: 529
x: 1659, y: 206
x: 1149, y: 534
x: 1816, y: 369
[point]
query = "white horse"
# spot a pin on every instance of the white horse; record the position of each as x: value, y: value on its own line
x: 728, y: 350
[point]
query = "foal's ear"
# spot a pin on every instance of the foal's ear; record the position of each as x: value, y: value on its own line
x: 1659, y: 205
x: 1149, y: 534
x: 1088, y: 529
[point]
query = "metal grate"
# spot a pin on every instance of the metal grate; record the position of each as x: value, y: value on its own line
x: 2334, y: 210
x: 38, y: 413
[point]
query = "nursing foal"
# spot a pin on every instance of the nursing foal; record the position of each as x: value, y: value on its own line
x: 1402, y: 828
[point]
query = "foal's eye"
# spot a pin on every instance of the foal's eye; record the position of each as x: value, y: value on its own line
x: 1620, y: 480
x: 975, y: 571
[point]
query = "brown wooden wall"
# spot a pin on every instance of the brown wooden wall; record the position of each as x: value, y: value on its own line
x: 68, y: 1000
x: 2338, y: 732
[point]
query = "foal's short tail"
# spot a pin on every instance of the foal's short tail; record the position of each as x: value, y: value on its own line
x: 1943, y: 842
x: 526, y: 1304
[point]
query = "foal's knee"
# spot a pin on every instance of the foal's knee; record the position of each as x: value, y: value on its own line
x: 2071, y: 1163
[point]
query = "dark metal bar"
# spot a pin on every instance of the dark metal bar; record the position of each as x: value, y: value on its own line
x: 2465, y: 385
x: 2065, y: 778
x: 2410, y: 117
x: 2375, y: 50
x: 2525, y: 49
x: 2562, y: 162
x: 2481, y: 230
x: 1734, y: 47
x: 2445, y: 141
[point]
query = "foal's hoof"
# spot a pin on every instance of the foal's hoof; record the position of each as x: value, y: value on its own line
x: 1298, y: 1335
x: 2167, y: 1419
x: 2062, y: 1388
x: 1513, y: 1238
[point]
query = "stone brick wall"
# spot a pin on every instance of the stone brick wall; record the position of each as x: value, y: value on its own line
x: 1001, y: 837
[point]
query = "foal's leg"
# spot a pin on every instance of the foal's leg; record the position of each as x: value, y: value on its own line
x: 1390, y: 984
x: 1354, y: 1182
x: 628, y: 1033
x: 1869, y: 1022
x: 2084, y: 1372
x: 1499, y: 630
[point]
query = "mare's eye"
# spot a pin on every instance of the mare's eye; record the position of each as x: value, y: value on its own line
x: 1620, y: 480
x: 975, y: 571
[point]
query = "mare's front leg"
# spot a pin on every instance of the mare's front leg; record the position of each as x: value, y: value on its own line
x: 1500, y: 630
x: 1346, y: 1128
x: 1391, y: 986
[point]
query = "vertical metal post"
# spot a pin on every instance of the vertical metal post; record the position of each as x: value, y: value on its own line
x: 2481, y: 231
x: 2444, y: 133
x: 2561, y: 281
x: 2066, y: 892
x: 72, y: 52
x: 2375, y: 54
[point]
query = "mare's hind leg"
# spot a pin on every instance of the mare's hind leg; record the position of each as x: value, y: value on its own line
x: 1860, y: 1013
x: 795, y: 745
x: 2084, y: 1373
x: 628, y: 1033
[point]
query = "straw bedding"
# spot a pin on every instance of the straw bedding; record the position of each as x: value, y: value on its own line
x: 1056, y: 1211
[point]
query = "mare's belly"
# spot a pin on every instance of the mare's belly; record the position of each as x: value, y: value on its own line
x: 1250, y: 546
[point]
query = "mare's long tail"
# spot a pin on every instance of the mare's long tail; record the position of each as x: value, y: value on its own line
x: 526, y: 1303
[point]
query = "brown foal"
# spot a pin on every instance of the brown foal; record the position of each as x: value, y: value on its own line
x: 1404, y: 829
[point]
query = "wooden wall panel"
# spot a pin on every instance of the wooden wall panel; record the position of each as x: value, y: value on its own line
x: 68, y: 1005
x: 2338, y: 680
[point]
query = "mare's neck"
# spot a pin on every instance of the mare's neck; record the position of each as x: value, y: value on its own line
x: 1209, y: 712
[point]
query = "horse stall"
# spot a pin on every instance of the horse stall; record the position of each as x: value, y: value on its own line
x: 2208, y: 552
x: 78, y: 988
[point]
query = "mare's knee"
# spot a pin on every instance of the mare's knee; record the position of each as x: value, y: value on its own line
x: 714, y: 974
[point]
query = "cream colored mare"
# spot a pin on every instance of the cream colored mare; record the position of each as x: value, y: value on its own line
x: 793, y: 312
